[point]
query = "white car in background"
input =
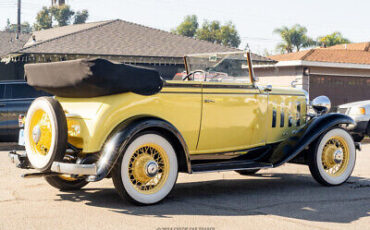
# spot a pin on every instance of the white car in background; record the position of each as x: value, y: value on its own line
x: 360, y: 112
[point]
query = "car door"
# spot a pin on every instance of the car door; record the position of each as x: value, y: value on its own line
x: 233, y: 117
x: 3, y: 114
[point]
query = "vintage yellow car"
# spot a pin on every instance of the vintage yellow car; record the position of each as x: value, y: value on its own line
x: 123, y: 122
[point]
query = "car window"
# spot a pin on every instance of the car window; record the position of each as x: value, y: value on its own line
x: 24, y: 91
x: 2, y: 91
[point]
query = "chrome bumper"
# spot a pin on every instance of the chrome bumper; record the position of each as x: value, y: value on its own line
x: 21, y: 161
x: 77, y: 169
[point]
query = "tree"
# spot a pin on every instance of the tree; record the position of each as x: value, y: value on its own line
x: 25, y: 27
x: 335, y: 38
x: 188, y: 27
x: 211, y: 31
x: 294, y: 38
x: 229, y: 35
x: 221, y: 34
x: 81, y: 17
x: 43, y: 19
x: 62, y: 14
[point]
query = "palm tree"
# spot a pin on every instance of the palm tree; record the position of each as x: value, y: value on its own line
x: 294, y: 38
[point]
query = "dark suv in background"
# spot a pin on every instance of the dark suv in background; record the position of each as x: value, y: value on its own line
x: 15, y: 98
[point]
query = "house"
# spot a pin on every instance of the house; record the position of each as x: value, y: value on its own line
x: 9, y: 44
x: 340, y: 72
x: 116, y: 40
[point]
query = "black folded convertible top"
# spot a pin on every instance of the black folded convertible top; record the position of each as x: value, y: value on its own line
x: 85, y: 78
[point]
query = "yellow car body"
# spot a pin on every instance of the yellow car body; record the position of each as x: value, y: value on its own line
x: 211, y: 117
x: 216, y: 118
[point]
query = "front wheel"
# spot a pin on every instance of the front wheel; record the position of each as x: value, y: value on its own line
x: 147, y: 170
x: 333, y: 158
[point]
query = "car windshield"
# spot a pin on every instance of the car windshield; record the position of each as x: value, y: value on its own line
x: 219, y: 67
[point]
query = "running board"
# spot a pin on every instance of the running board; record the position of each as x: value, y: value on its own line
x: 228, y: 166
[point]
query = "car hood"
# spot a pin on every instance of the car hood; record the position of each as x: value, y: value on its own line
x: 355, y: 104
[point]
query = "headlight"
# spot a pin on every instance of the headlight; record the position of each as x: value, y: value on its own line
x: 321, y: 105
x: 357, y: 111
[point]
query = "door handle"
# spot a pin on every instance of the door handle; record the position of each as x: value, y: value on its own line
x: 2, y: 105
x: 268, y: 88
x: 209, y: 101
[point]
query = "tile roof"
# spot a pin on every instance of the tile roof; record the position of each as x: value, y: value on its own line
x: 290, y: 56
x: 364, y: 46
x: 354, y: 54
x: 118, y: 37
x: 9, y: 44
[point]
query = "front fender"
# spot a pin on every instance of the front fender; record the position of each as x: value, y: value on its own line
x: 121, y: 137
x: 295, y: 144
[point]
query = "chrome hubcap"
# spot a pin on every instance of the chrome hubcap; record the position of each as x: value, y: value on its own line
x: 36, y: 134
x: 338, y: 156
x: 151, y: 168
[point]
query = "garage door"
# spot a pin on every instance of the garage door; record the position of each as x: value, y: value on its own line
x: 340, y: 89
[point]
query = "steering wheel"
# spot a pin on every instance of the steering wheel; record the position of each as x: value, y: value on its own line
x: 187, y: 77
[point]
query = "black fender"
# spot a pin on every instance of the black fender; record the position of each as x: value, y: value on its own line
x: 122, y: 135
x: 291, y: 147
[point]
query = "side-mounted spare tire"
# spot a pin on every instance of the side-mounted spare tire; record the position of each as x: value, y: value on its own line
x: 45, y: 133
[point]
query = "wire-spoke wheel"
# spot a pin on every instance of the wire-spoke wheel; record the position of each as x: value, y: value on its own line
x: 334, y: 157
x: 147, y: 170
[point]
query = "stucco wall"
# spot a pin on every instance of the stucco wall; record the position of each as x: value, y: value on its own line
x: 282, y: 76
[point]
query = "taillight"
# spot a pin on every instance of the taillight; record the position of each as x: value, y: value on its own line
x: 21, y: 119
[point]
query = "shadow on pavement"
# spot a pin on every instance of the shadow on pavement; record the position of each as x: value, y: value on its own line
x: 286, y: 195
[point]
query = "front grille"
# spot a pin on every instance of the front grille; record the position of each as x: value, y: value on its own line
x: 342, y: 110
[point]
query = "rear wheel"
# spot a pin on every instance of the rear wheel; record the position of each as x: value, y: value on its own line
x: 45, y: 133
x: 147, y: 170
x: 65, y: 183
x: 247, y: 172
x: 333, y: 157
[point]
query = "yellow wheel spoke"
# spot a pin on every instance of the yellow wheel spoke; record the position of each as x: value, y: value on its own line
x: 138, y: 168
x: 335, y: 156
x: 40, y: 133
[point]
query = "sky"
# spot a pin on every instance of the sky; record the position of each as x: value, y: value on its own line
x: 255, y: 20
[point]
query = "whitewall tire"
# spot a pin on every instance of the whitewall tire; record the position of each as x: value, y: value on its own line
x: 333, y: 157
x: 147, y: 170
x: 45, y: 133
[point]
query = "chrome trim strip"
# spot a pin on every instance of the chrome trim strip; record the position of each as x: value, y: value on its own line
x: 179, y: 85
x: 69, y: 168
x: 216, y: 86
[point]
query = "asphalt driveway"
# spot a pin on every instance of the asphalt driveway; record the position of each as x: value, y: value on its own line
x: 281, y: 198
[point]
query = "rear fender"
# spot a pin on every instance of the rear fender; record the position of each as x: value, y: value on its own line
x: 295, y: 144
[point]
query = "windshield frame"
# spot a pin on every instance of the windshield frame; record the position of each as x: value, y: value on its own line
x: 247, y: 54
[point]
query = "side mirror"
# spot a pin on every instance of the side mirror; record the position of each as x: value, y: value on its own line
x: 321, y: 105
